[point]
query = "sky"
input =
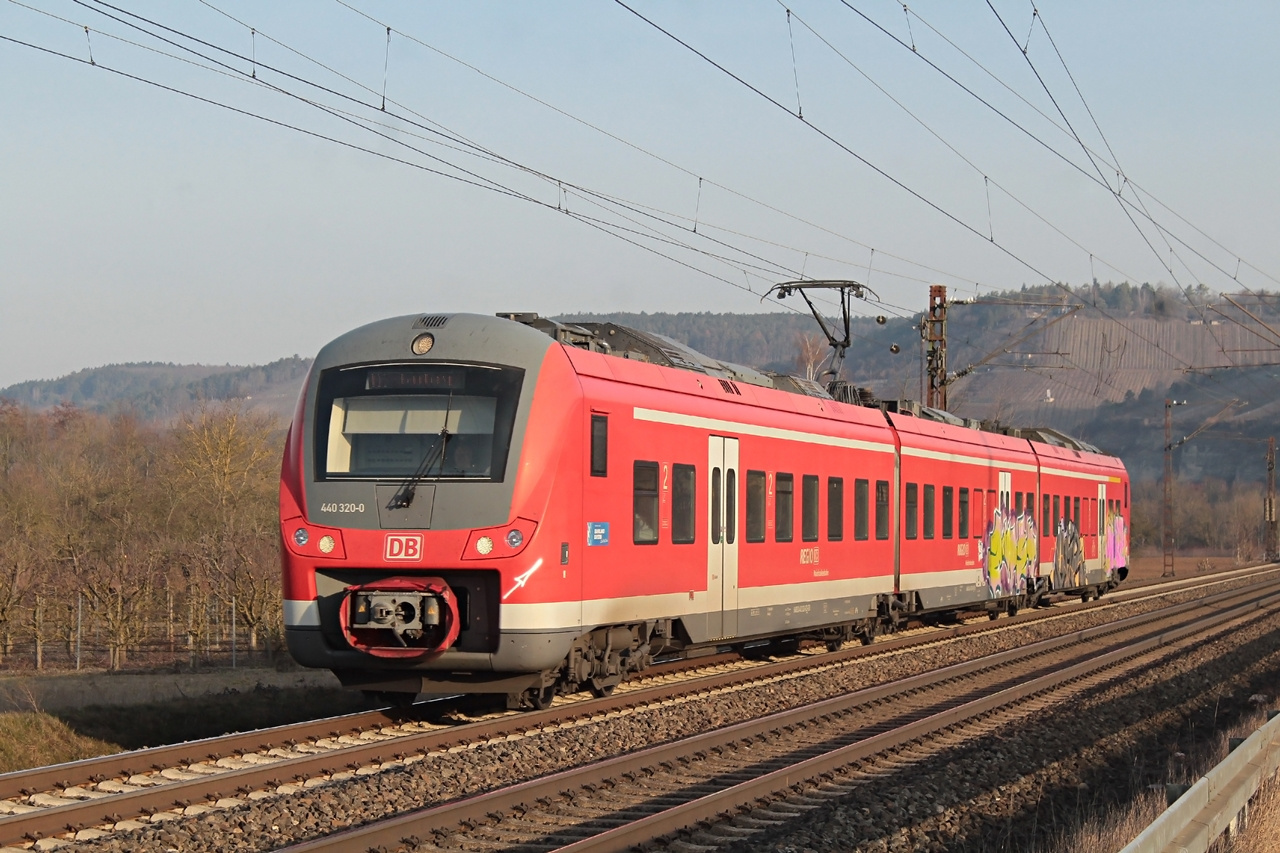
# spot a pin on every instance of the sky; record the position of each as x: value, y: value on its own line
x: 234, y: 182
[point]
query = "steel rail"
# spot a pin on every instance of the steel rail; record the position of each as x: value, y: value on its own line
x: 108, y: 810
x: 390, y: 834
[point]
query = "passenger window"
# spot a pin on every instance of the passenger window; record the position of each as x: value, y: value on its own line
x: 599, y: 445
x: 645, y: 503
x: 784, y: 508
x: 1031, y: 505
x: 947, y: 511
x: 684, y: 490
x: 882, y: 509
x: 1076, y: 513
x: 1057, y: 510
x: 716, y: 500
x: 755, y: 506
x: 809, y: 508
x: 861, y: 497
x: 1046, y: 526
x: 928, y: 511
x: 913, y: 498
x: 835, y: 509
x: 730, y: 505
x: 1017, y: 503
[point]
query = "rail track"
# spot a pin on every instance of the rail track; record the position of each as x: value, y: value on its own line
x: 744, y: 777
x: 90, y: 798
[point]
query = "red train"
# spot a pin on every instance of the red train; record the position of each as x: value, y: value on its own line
x: 511, y: 505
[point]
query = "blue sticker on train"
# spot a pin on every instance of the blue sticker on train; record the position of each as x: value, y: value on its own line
x: 597, y: 533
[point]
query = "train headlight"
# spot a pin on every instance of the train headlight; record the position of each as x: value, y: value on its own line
x: 514, y: 538
x: 301, y: 536
x: 484, y: 545
x: 423, y: 343
x: 326, y: 544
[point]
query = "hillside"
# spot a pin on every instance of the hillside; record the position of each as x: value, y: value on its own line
x: 158, y: 391
x: 1095, y: 361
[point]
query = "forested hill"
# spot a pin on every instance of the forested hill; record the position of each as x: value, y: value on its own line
x: 1095, y: 361
x: 158, y: 391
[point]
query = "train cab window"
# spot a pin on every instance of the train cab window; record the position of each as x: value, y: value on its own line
x: 784, y: 513
x: 684, y: 491
x: 645, y: 503
x: 426, y: 422
x: 599, y: 445
x: 911, y: 520
x: 948, y: 511
x: 755, y: 506
x: 835, y: 509
x: 882, y: 509
x: 861, y: 498
x: 730, y: 505
x: 809, y: 507
x: 1045, y: 527
x: 928, y: 511
x: 963, y: 532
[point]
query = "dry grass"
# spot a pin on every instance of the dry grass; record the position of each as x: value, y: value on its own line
x: 1262, y: 830
x: 1114, y: 828
x: 35, y: 739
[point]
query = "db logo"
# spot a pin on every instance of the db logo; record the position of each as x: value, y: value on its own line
x: 404, y: 547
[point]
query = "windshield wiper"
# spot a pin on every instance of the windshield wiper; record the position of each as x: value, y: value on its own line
x: 408, y: 489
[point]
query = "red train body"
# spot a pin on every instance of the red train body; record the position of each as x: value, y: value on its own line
x: 530, y: 510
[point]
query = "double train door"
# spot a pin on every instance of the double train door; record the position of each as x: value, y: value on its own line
x: 722, y: 541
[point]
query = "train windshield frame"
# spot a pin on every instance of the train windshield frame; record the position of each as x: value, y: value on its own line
x: 388, y: 421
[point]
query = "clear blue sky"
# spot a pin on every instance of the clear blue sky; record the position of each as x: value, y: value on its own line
x: 138, y: 224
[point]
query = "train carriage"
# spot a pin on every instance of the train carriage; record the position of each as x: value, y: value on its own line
x: 506, y: 504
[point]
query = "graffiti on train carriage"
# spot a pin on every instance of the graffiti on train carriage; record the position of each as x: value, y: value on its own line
x: 1009, y: 552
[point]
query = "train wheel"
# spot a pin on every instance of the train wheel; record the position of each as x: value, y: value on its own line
x: 540, y: 698
x: 834, y: 645
x: 603, y: 687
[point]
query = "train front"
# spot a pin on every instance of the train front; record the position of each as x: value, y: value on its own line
x: 407, y: 511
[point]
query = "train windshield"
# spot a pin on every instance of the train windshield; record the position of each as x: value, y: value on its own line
x: 449, y: 422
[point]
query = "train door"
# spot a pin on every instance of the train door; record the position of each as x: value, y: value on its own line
x: 722, y: 543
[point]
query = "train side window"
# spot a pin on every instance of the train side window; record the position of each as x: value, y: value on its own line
x: 645, y: 503
x: 882, y: 509
x: 755, y: 506
x: 963, y: 532
x: 684, y: 490
x: 860, y: 512
x: 809, y: 507
x: 1017, y: 503
x: 1057, y: 511
x: 835, y: 509
x: 1031, y: 505
x: 948, y: 511
x: 912, y: 513
x: 979, y: 513
x: 1045, y: 527
x: 599, y: 445
x: 717, y: 498
x: 928, y: 511
x: 1076, y: 513
x: 730, y: 505
x: 784, y: 508
x: 1126, y: 495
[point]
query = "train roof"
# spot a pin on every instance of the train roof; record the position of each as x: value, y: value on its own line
x: 626, y: 342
